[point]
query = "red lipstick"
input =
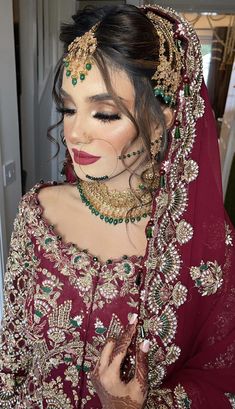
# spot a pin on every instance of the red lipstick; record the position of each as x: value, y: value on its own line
x: 84, y: 158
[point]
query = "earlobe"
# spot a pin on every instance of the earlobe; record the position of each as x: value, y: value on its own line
x: 169, y: 116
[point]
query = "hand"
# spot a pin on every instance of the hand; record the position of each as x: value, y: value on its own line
x: 112, y: 391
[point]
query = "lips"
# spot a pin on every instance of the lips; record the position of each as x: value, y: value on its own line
x: 84, y: 158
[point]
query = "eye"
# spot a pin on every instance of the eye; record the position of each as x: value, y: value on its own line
x: 66, y: 111
x: 103, y: 117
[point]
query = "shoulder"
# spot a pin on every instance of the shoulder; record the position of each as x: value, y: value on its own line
x: 47, y: 199
x: 54, y: 193
x: 48, y: 191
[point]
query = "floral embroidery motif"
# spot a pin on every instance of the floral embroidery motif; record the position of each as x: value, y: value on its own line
x: 190, y: 170
x: 231, y: 399
x: 183, y: 402
x: 207, y: 277
x: 228, y: 235
x: 177, y: 399
x: 184, y: 232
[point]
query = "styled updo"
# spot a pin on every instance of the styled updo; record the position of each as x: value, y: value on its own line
x: 126, y: 40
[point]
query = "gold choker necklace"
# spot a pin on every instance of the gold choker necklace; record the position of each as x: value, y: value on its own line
x: 113, y: 206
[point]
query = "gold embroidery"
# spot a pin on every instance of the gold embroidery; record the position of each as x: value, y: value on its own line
x: 208, y: 277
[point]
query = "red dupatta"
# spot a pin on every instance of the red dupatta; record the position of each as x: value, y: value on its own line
x: 188, y: 293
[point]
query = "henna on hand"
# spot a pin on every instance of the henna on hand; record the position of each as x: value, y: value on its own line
x: 122, y: 342
x: 111, y: 376
x: 141, y: 372
x: 109, y: 401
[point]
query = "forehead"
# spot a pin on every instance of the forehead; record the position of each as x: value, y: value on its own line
x: 94, y: 84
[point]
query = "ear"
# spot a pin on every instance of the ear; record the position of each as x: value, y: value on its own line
x: 169, y: 116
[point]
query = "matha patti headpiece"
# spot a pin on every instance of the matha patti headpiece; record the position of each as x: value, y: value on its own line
x: 78, y: 61
x: 168, y: 73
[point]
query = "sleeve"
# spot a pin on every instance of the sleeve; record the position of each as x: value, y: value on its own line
x: 14, y: 350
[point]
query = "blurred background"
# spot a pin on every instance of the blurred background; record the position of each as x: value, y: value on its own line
x: 29, y: 49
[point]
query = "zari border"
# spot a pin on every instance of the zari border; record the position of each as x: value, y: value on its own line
x: 170, y: 230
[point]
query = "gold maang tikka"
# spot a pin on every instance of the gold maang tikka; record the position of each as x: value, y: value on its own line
x: 78, y: 61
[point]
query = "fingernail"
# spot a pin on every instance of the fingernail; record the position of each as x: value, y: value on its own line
x: 133, y: 318
x: 145, y: 345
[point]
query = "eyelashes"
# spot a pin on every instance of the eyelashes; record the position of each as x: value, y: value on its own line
x: 65, y: 111
x: 101, y: 116
x: 106, y: 117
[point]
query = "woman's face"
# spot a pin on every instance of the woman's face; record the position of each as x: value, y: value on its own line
x: 94, y: 128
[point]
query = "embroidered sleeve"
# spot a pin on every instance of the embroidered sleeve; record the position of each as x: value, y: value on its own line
x: 14, y: 352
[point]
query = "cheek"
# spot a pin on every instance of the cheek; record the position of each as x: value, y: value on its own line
x: 67, y: 128
x: 122, y: 134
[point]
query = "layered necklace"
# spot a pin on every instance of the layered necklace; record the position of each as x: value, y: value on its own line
x: 113, y: 206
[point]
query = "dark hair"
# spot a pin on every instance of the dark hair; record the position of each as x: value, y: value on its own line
x: 127, y: 40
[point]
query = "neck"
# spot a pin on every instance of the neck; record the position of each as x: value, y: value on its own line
x: 121, y: 181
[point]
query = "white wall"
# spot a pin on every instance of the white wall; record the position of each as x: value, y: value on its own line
x: 9, y: 133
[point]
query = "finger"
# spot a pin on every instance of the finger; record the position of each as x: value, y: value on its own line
x: 141, y: 369
x: 106, y: 352
x: 122, y: 343
x: 103, y: 360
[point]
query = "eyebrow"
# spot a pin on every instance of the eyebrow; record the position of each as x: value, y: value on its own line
x: 94, y: 98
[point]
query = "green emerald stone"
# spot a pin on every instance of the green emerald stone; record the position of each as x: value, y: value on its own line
x: 101, y: 216
x: 68, y: 73
x: 115, y: 221
x: 203, y: 267
x: 74, y: 81
x: 132, y: 219
x: 48, y: 240
x: 86, y: 368
x: 100, y: 330
x: 38, y: 313
x: 162, y: 181
x: 88, y: 66
x: 74, y: 323
x: 66, y: 63
x: 82, y: 77
x: 167, y: 99
x: 149, y: 232
x: 177, y: 132
x: 127, y: 268
x: 186, y: 90
x: 67, y: 359
x: 157, y: 92
x: 120, y: 220
x: 106, y: 219
x: 46, y: 290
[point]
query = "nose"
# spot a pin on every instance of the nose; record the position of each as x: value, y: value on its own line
x: 78, y: 134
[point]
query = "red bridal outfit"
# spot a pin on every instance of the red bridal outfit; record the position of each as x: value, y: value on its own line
x: 61, y: 302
